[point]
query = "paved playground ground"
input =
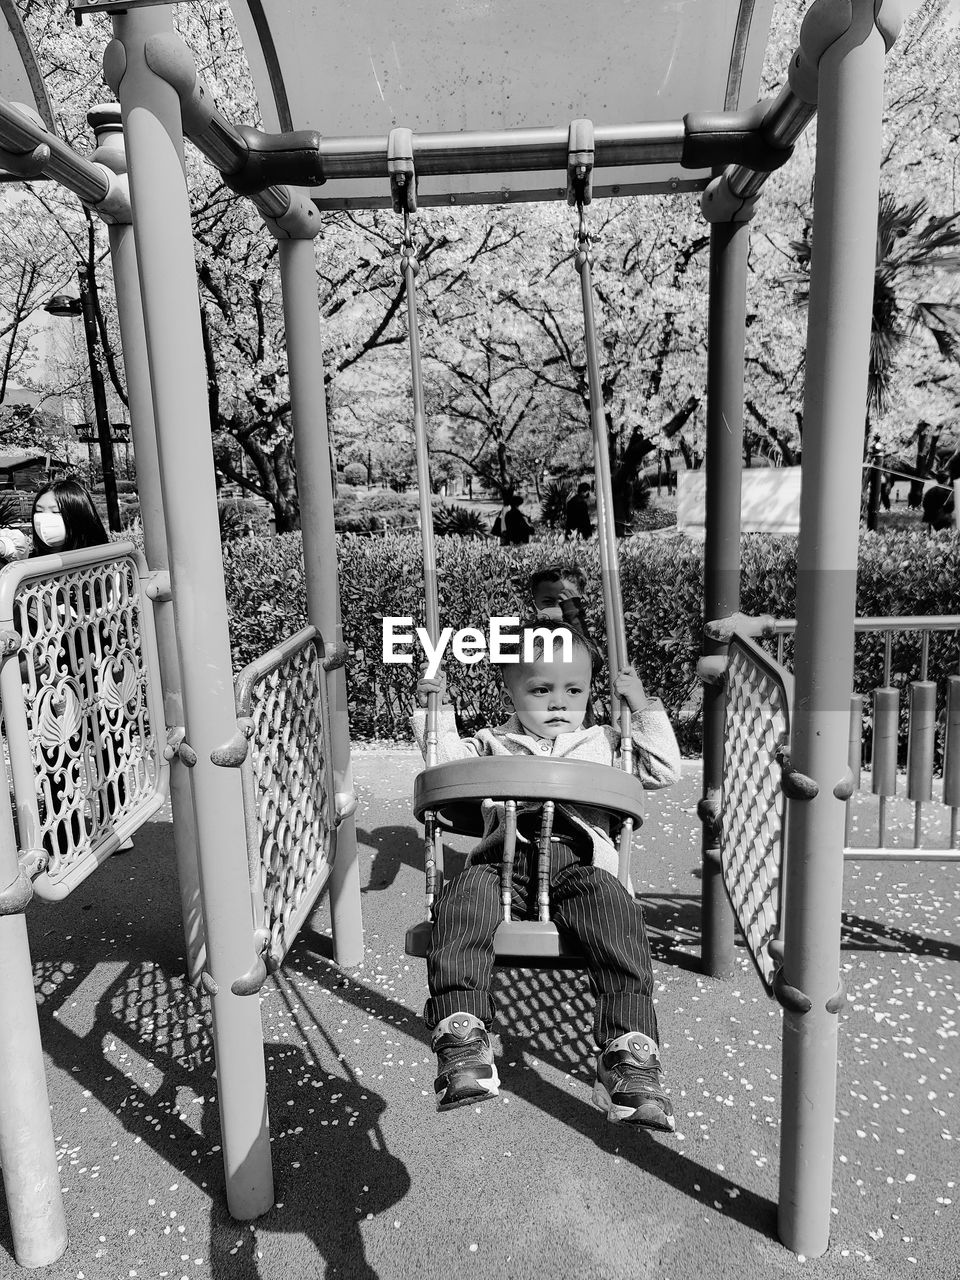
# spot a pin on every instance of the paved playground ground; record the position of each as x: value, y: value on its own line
x: 372, y: 1182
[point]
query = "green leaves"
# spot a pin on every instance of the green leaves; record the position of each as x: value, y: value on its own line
x: 901, y: 574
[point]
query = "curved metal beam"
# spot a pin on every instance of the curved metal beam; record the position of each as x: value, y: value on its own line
x: 31, y: 71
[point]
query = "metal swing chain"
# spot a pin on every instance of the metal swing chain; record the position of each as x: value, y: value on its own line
x: 582, y: 238
x: 408, y: 249
x: 617, y: 656
x: 409, y: 270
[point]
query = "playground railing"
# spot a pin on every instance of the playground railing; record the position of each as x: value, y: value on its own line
x: 886, y: 818
x: 83, y: 722
x: 759, y: 694
x: 289, y: 792
x: 904, y: 737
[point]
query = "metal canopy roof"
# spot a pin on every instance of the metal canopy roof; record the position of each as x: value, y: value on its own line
x: 357, y: 70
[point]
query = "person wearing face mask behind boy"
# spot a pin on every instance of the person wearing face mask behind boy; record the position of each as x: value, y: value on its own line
x: 65, y: 519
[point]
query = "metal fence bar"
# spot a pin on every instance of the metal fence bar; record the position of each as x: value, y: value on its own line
x: 867, y: 854
x: 920, y: 622
x: 921, y: 741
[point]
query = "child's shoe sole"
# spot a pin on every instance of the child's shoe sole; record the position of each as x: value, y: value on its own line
x: 467, y: 1092
x: 649, y: 1115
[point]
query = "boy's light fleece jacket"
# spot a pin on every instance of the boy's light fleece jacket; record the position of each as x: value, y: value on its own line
x: 656, y: 762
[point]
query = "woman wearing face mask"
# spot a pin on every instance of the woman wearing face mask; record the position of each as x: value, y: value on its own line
x: 64, y: 519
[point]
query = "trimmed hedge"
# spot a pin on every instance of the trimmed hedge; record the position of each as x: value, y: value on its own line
x: 899, y: 574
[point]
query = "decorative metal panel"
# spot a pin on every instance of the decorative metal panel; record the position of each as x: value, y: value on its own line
x: 288, y: 786
x: 757, y: 726
x: 83, y: 708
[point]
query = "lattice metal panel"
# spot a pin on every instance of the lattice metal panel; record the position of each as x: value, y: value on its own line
x: 83, y: 710
x: 288, y: 786
x: 757, y: 724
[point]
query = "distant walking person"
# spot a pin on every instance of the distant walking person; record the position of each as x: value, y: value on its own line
x: 578, y: 513
x: 511, y: 524
x: 939, y: 500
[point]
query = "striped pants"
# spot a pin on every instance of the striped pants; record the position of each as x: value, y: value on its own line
x: 585, y: 901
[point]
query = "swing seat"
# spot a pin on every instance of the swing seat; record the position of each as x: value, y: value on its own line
x: 454, y: 793
x: 522, y: 944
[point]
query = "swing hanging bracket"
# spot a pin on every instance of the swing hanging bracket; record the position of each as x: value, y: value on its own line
x: 580, y: 154
x: 402, y: 171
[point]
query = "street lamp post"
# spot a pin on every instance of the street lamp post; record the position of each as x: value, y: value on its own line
x: 64, y: 305
x: 120, y: 434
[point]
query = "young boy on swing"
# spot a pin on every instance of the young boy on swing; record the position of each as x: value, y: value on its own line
x: 548, y: 696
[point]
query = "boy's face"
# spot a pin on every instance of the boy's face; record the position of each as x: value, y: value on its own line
x: 547, y: 597
x: 550, y: 698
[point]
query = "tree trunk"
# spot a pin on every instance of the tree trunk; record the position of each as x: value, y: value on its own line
x: 275, y: 482
x: 286, y: 502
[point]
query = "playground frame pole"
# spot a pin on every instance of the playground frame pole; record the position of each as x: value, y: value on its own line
x: 729, y: 242
x: 137, y: 66
x: 28, y: 1155
x: 312, y: 449
x: 111, y: 153
x: 847, y: 59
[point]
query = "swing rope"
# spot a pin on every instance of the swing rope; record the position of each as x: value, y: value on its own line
x: 580, y: 151
x: 403, y: 187
x: 580, y: 156
x: 404, y: 190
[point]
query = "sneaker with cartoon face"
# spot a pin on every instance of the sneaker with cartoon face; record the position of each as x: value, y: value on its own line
x: 465, y: 1068
x: 629, y: 1086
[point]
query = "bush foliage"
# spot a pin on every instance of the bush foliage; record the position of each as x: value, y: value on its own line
x: 460, y: 522
x: 356, y: 511
x: 900, y: 574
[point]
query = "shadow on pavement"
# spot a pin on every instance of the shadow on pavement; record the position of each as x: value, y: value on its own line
x: 859, y: 934
x: 121, y: 1020
x: 392, y: 847
x: 545, y: 1018
x: 329, y: 1175
x: 673, y: 927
